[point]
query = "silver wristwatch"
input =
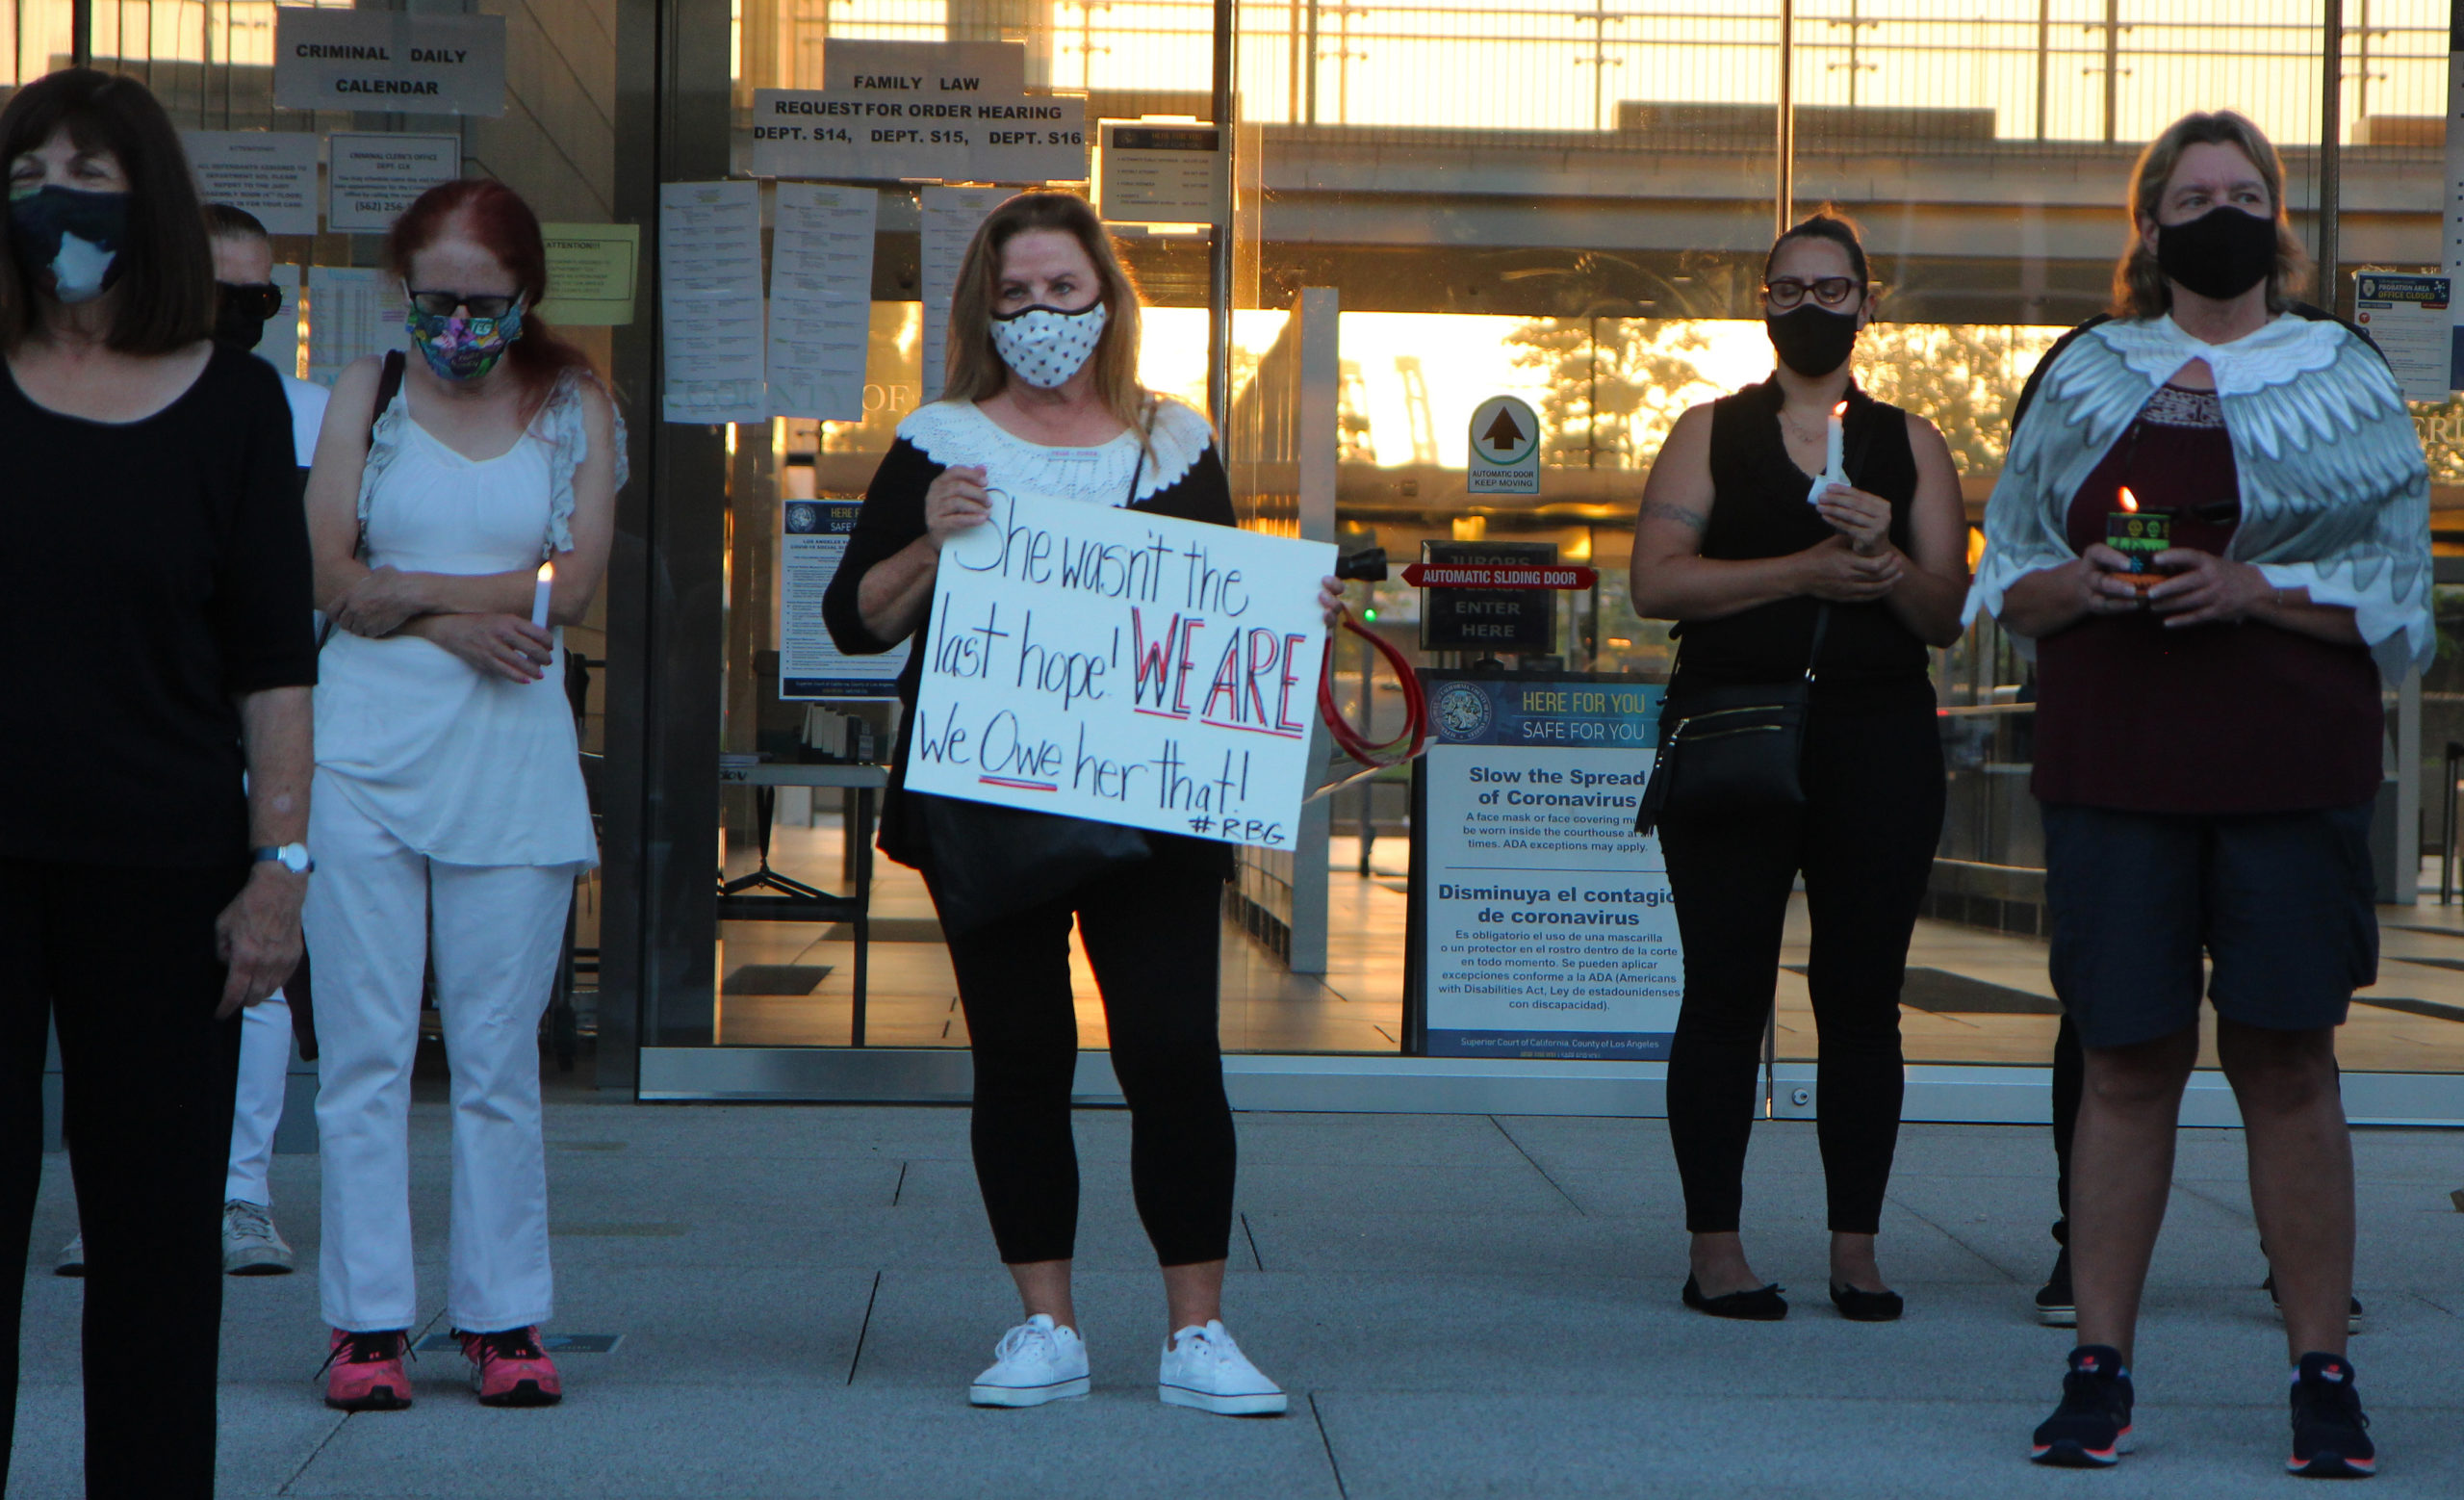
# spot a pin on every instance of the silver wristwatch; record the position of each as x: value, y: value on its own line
x: 293, y: 856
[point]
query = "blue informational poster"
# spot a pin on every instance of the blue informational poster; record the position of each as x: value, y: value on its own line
x: 1542, y: 923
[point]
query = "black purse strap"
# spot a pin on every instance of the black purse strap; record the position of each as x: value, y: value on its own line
x: 1145, y: 437
x: 1821, y: 628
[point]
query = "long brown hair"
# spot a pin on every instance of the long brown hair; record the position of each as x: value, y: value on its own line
x: 165, y: 281
x: 495, y: 216
x: 2141, y: 289
x: 974, y: 368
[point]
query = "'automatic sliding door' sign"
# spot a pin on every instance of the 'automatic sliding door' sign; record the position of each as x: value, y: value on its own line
x: 1124, y: 667
x: 955, y: 111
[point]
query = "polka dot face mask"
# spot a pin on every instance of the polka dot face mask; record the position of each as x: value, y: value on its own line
x: 1045, y: 346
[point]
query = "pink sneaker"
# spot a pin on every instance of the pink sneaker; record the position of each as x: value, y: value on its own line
x: 364, y: 1372
x: 509, y: 1369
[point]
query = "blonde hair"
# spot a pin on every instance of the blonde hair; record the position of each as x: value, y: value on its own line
x: 974, y: 370
x: 2141, y: 289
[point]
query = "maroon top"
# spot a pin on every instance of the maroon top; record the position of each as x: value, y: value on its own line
x: 2215, y: 718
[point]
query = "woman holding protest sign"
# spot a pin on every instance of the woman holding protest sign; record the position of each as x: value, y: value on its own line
x: 1809, y: 539
x: 1043, y: 398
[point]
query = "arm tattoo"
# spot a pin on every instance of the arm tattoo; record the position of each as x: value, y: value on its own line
x: 1660, y: 509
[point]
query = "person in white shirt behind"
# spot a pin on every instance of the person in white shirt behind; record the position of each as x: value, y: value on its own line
x: 246, y: 300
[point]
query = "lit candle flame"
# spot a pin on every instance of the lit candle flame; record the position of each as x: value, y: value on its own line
x: 1839, y: 411
x: 548, y: 571
x: 2129, y: 500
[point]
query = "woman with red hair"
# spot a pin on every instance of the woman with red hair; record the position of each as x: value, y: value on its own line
x: 451, y: 818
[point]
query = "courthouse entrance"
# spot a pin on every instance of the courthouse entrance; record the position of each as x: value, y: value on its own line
x: 1353, y: 224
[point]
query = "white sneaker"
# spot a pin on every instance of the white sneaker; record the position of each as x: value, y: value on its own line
x: 1204, y: 1369
x: 72, y: 1257
x: 1034, y: 1362
x: 252, y: 1246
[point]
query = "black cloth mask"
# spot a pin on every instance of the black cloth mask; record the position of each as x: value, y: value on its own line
x: 71, y: 233
x: 1813, y: 341
x: 2220, y: 254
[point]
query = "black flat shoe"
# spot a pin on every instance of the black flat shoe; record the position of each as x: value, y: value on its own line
x: 1762, y: 1305
x: 1866, y: 1306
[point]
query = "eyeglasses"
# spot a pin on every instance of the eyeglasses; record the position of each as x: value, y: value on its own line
x: 252, y: 298
x: 1828, y: 291
x: 443, y: 304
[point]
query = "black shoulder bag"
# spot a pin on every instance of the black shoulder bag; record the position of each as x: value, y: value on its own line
x: 989, y: 862
x: 1737, y: 749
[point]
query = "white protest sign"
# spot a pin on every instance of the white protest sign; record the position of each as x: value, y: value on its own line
x: 1126, y: 667
x: 371, y: 59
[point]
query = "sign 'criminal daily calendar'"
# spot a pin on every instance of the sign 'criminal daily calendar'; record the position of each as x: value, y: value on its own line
x: 1125, y: 667
x: 388, y: 60
x: 958, y: 112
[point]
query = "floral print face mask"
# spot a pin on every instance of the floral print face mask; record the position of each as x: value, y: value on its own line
x: 463, y: 348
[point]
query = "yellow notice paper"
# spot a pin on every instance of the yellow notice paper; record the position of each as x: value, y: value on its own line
x: 591, y: 273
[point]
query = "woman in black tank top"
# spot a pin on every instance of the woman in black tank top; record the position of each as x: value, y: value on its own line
x: 1738, y: 544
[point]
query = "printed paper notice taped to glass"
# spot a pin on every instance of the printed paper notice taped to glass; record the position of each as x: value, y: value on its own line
x: 1544, y: 920
x: 813, y: 538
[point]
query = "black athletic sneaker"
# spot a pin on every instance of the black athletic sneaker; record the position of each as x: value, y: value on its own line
x: 2092, y: 1427
x: 2056, y: 1307
x: 2330, y: 1434
x: 2353, y: 1317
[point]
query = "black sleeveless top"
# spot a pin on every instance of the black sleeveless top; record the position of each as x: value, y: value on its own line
x: 1758, y: 509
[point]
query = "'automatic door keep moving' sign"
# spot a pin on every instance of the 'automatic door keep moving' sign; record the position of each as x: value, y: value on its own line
x: 1129, y: 668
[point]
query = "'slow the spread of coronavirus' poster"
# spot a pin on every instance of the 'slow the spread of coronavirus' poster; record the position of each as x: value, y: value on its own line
x: 1543, y: 923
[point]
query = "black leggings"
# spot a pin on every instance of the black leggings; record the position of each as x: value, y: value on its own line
x: 1864, y: 839
x: 149, y: 1076
x: 1151, y: 933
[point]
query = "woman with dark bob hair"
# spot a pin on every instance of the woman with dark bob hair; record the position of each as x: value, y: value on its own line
x: 1042, y: 396
x: 2208, y: 741
x: 155, y: 645
x: 1808, y: 539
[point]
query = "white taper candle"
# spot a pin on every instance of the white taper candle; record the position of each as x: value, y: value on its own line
x: 539, y: 596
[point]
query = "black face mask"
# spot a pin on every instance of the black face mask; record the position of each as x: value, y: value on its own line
x: 240, y: 312
x: 2220, y: 254
x: 1813, y: 341
x: 71, y: 233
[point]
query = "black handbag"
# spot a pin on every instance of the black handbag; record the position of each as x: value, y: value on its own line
x: 989, y: 862
x: 1735, y: 749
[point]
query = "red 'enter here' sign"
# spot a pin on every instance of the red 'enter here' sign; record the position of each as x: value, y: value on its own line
x: 1468, y: 575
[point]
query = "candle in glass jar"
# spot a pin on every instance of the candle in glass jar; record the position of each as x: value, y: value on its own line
x: 2139, y: 535
x: 539, y: 595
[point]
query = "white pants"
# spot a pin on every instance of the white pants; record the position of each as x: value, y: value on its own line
x: 377, y: 913
x: 265, y: 1072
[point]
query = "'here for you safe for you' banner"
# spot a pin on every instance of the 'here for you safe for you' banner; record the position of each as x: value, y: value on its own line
x: 1126, y: 667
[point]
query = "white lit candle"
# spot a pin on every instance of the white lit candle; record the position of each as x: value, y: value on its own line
x: 539, y: 595
x: 1834, y: 468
